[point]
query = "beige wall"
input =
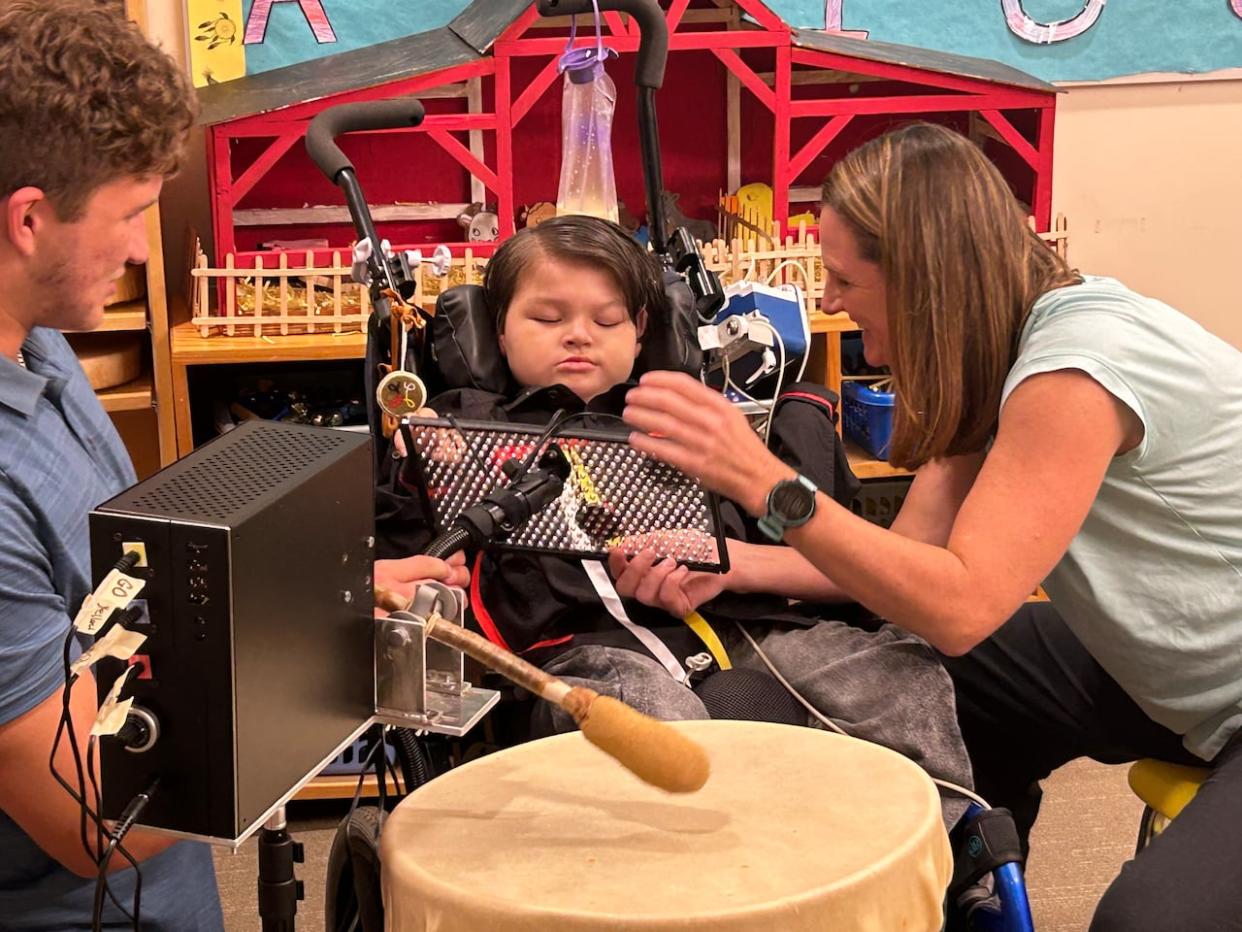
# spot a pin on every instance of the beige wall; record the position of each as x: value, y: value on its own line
x: 166, y: 25
x: 184, y: 206
x: 1149, y: 176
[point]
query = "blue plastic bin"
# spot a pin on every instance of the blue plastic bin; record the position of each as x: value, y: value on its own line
x: 352, y: 758
x: 867, y: 417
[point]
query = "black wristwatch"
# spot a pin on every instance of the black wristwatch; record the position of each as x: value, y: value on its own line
x: 791, y: 503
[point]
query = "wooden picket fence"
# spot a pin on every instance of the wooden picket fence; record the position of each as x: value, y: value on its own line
x: 764, y: 258
x: 761, y: 256
x: 277, y: 294
x: 272, y: 296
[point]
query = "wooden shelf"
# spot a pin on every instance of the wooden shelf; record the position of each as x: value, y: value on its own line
x: 831, y: 323
x: 866, y: 466
x: 338, y: 787
x: 129, y: 315
x: 189, y: 347
x: 132, y: 396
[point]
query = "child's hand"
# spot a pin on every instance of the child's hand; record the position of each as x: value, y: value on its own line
x: 405, y: 575
x: 398, y: 439
x: 662, y: 583
x: 444, y: 444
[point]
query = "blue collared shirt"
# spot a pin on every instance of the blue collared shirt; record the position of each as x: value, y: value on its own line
x: 60, y: 457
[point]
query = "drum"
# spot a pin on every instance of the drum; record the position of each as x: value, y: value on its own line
x: 797, y: 829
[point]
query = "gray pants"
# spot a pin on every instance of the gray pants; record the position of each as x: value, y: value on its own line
x: 887, y: 687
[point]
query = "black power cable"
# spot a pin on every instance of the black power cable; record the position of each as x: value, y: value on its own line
x: 128, y: 817
x: 97, y: 854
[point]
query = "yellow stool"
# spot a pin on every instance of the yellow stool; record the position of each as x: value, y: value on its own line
x: 1166, y: 789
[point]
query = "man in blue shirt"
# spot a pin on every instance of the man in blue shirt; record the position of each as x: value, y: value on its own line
x: 92, y: 120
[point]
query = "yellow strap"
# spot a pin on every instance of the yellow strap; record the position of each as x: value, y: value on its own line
x: 699, y: 625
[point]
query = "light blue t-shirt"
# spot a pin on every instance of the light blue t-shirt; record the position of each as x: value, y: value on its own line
x: 1152, y: 583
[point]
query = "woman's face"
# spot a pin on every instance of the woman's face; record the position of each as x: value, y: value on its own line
x: 854, y: 285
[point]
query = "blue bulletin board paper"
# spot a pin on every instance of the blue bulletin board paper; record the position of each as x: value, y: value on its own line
x: 1130, y: 36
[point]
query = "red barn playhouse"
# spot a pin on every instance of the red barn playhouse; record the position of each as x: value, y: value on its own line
x: 746, y: 98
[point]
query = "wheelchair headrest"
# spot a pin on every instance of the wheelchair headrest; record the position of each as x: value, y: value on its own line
x: 465, y: 349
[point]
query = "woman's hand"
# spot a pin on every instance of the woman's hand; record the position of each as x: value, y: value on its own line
x: 662, y: 583
x: 697, y: 430
x: 404, y: 576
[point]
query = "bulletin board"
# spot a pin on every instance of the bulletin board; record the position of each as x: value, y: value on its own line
x: 1057, y: 40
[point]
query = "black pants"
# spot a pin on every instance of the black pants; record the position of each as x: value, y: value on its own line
x: 1030, y: 699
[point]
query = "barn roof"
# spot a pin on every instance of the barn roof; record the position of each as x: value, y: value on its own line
x: 470, y: 36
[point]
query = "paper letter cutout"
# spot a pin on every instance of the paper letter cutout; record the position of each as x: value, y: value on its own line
x: 256, y: 25
x: 1026, y: 28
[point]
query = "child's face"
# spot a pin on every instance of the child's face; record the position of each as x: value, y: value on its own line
x: 568, y: 324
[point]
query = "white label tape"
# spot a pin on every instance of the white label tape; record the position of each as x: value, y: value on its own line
x: 116, y: 591
x: 119, y: 642
x: 111, y: 712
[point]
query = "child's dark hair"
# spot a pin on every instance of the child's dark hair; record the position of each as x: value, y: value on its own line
x: 581, y: 239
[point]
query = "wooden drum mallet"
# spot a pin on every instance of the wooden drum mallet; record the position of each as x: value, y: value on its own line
x: 649, y: 748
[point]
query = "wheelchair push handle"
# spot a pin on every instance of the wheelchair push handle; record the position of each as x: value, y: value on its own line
x: 653, y: 32
x: 352, y: 118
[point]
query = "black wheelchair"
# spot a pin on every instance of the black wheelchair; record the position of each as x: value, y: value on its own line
x: 456, y: 348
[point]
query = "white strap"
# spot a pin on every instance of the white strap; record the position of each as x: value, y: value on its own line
x: 608, y: 595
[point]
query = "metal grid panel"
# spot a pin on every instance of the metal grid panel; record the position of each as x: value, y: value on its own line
x: 615, y: 497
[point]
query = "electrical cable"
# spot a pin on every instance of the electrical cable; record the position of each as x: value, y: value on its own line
x: 128, y: 817
x: 765, y: 429
x: 101, y: 832
x: 792, y: 263
x: 65, y: 727
x: 833, y: 726
x: 362, y: 774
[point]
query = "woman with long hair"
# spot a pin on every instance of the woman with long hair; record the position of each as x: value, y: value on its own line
x: 1063, y: 430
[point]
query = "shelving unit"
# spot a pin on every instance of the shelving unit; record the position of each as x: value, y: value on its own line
x: 132, y: 396
x: 338, y: 786
x: 130, y: 315
x: 190, y: 349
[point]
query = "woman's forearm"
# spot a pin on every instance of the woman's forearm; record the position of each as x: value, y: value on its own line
x: 781, y: 571
x: 922, y: 587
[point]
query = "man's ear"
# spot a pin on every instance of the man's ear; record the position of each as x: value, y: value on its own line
x: 23, y: 218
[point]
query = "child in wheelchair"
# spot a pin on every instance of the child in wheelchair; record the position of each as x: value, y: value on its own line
x: 577, y: 305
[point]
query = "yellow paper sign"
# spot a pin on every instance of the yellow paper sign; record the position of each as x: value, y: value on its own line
x: 216, y: 50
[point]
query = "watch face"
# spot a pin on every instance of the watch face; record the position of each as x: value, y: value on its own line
x: 792, y: 500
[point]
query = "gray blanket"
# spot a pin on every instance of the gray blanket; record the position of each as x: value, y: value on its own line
x: 886, y: 686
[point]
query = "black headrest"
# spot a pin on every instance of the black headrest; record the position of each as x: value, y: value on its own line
x: 465, y: 349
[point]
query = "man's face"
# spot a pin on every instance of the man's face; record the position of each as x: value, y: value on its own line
x: 568, y: 324
x: 75, y: 264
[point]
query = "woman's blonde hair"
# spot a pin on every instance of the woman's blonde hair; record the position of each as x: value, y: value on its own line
x: 962, y: 268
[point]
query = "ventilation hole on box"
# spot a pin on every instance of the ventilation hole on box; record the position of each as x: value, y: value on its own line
x: 233, y: 476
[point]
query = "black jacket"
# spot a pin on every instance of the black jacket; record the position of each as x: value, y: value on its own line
x: 547, y: 602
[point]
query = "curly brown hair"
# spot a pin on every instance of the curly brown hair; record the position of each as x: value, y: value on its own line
x: 85, y: 100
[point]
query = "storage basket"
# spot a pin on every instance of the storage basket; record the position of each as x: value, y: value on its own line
x: 867, y: 417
